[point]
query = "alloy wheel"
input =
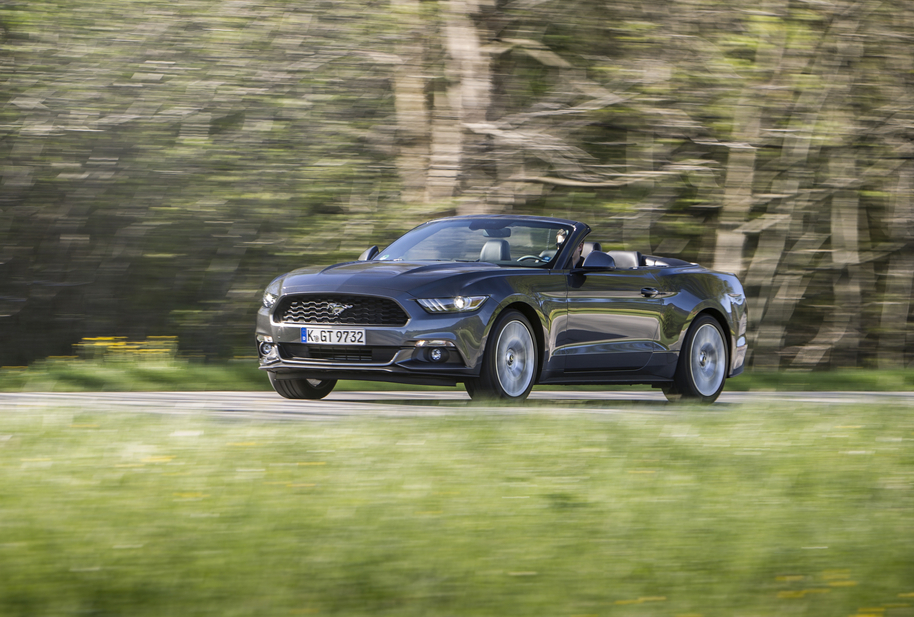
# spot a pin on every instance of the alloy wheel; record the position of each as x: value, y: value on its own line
x: 515, y: 358
x: 707, y: 360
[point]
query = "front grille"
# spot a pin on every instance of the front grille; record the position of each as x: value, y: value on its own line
x: 341, y: 309
x: 340, y: 353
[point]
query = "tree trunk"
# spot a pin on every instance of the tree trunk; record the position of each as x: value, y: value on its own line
x: 469, y: 98
x: 895, y: 332
x: 741, y: 161
x: 413, y: 126
x: 797, y: 154
x: 740, y: 175
x: 843, y: 327
x: 791, y: 288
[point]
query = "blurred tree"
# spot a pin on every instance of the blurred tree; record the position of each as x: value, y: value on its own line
x: 163, y: 160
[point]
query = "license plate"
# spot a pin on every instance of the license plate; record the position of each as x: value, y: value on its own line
x: 332, y: 336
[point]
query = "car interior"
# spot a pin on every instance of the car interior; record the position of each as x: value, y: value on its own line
x: 498, y: 249
x: 627, y: 259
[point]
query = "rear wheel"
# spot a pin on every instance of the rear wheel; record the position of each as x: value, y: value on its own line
x: 509, y: 361
x: 702, y: 368
x: 302, y: 388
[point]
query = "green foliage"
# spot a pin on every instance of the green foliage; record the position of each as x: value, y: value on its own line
x: 133, y: 375
x: 164, y: 160
x: 174, y: 167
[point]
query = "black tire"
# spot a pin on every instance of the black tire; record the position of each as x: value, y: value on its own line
x: 703, y: 364
x: 509, y: 362
x: 302, y: 388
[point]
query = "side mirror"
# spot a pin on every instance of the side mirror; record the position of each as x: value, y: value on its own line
x: 597, y: 260
x: 369, y: 254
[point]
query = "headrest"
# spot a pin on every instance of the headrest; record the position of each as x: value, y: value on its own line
x: 590, y: 247
x: 495, y: 250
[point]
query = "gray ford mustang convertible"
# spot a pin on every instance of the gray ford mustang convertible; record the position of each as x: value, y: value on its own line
x: 501, y: 303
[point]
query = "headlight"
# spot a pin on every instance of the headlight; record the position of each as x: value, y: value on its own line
x: 460, y: 304
x: 271, y: 293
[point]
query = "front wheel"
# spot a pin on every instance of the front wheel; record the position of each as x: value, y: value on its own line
x: 302, y: 388
x: 702, y: 367
x: 509, y: 361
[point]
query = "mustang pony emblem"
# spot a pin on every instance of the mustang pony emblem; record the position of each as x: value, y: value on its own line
x: 337, y: 308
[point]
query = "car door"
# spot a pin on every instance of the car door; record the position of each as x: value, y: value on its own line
x: 613, y: 320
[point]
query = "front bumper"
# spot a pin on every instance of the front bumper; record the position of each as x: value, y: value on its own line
x: 399, y: 354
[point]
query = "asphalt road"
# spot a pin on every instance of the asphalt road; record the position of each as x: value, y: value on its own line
x: 268, y: 405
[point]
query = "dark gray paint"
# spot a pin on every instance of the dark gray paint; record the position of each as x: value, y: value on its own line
x: 592, y: 326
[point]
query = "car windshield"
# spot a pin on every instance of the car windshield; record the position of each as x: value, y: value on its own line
x: 498, y: 241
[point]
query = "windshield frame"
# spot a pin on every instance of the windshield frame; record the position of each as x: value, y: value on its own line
x: 396, y: 250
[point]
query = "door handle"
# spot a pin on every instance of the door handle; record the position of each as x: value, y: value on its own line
x: 649, y: 292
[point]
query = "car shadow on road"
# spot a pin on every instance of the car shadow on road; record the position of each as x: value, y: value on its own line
x: 540, y: 403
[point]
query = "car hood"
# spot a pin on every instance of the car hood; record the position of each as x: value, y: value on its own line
x: 391, y: 276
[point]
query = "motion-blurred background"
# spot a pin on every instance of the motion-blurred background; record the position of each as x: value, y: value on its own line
x: 163, y: 160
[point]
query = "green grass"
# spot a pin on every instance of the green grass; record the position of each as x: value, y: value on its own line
x: 179, y: 375
x: 860, y: 380
x: 732, y: 510
x: 73, y: 375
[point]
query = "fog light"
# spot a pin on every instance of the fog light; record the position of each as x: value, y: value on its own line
x: 266, y: 348
x: 436, y: 354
